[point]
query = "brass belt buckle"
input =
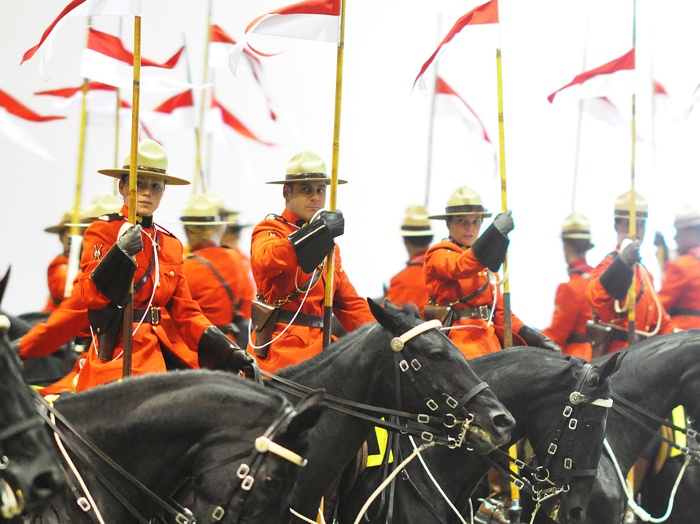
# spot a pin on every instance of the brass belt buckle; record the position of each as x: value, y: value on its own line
x: 155, y: 315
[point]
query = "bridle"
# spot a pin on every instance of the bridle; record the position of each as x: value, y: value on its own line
x: 560, y: 447
x: 263, y: 446
x: 249, y: 469
x: 420, y: 425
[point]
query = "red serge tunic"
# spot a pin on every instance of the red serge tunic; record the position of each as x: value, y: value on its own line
x: 209, y: 291
x: 646, y: 309
x: 277, y: 275
x: 571, y: 312
x: 680, y: 289
x: 56, y: 277
x: 166, y: 283
x: 408, y: 286
x: 453, y: 272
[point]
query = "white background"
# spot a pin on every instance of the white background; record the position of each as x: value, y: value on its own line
x: 385, y: 128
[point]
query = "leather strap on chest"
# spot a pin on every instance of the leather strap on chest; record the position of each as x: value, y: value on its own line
x: 235, y: 305
x: 465, y: 298
x: 138, y: 285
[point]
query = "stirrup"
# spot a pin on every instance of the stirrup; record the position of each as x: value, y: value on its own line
x: 491, y: 512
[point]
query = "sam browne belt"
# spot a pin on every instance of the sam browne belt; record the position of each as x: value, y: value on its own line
x: 150, y: 315
x: 481, y: 312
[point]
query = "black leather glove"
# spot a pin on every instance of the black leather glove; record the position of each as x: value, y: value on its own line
x: 532, y: 337
x: 335, y: 222
x: 130, y: 242
x: 217, y: 351
x: 504, y: 222
x: 629, y: 252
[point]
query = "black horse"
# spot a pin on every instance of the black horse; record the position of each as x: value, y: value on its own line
x: 29, y: 467
x: 163, y: 430
x: 536, y: 386
x: 389, y: 366
x: 656, y: 375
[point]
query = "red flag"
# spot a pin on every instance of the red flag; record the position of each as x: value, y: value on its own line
x: 484, y: 14
x: 106, y: 60
x: 17, y: 134
x: 81, y: 8
x: 317, y: 20
x: 15, y: 107
x: 449, y: 103
x: 222, y: 124
x: 615, y: 76
x: 175, y: 113
x: 100, y: 103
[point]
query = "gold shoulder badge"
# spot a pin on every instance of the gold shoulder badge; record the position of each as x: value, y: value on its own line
x: 97, y: 251
x: 271, y: 216
x: 105, y: 218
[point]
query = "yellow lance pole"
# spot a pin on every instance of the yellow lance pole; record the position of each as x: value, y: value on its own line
x: 631, y: 294
x: 76, y: 240
x: 508, y: 321
x: 133, y: 175
x: 328, y: 302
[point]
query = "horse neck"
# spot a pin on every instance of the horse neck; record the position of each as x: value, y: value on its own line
x: 524, y: 384
x: 359, y: 367
x: 158, y: 428
x: 661, y: 374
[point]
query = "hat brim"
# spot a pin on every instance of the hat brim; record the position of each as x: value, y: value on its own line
x: 448, y: 215
x: 687, y: 224
x: 318, y: 179
x: 416, y: 233
x: 56, y: 229
x: 118, y: 173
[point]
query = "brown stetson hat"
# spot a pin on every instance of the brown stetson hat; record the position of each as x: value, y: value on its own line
x: 151, y: 160
x: 306, y: 167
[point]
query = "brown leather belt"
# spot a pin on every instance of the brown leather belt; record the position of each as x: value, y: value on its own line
x: 578, y: 338
x: 302, y: 319
x: 150, y: 315
x: 684, y: 312
x: 481, y: 312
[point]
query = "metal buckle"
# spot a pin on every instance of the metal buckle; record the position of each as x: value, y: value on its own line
x: 415, y: 364
x: 573, y: 423
x: 568, y: 463
x: 218, y: 513
x: 568, y: 410
x: 432, y: 405
x: 427, y: 436
x: 403, y: 365
x: 247, y: 483
x: 423, y: 418
x: 154, y: 314
x: 243, y: 471
x: 84, y: 504
x: 552, y: 448
x: 452, y: 403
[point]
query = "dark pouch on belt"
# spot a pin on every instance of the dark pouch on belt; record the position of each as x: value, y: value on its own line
x: 600, y: 336
x: 441, y: 313
x: 264, y: 319
x: 106, y: 323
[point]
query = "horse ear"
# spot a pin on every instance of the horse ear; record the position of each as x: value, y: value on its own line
x: 384, y: 315
x: 611, y: 365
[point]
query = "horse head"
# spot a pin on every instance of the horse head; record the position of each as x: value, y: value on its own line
x: 264, y: 479
x: 29, y: 465
x: 430, y: 366
x: 564, y: 478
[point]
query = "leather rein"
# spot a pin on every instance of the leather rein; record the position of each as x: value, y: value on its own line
x: 421, y: 425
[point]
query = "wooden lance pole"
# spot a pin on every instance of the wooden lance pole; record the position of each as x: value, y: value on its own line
x: 507, y: 321
x: 328, y: 302
x: 133, y: 176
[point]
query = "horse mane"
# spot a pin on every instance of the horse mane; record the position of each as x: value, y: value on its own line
x: 149, y: 385
x: 639, y: 355
x: 404, y: 319
x: 329, y: 352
